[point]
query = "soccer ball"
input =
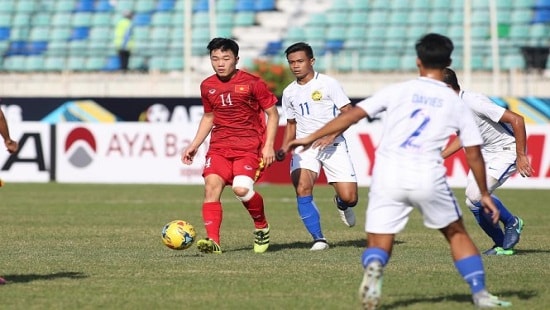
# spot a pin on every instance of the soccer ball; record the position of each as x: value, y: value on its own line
x: 178, y: 235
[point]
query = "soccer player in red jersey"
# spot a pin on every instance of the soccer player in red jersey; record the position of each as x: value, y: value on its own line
x: 241, y: 141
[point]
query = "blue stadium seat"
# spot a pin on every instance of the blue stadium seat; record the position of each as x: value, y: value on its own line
x: 200, y: 6
x: 36, y: 47
x: 167, y: 5
x: 4, y: 33
x: 245, y: 6
x: 112, y: 64
x: 142, y: 18
x: 264, y: 5
x: 80, y: 33
x: 85, y: 6
x: 104, y: 6
x: 541, y: 16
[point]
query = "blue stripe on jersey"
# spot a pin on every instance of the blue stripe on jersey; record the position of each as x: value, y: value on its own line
x: 453, y: 198
x: 316, y: 75
x: 507, y: 128
x: 506, y: 171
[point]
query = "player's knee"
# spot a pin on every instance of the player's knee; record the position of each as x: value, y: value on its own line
x: 243, y: 188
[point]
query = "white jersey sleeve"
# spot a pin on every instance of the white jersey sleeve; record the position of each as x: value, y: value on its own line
x: 496, y: 135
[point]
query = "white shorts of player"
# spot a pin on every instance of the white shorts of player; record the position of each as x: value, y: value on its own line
x: 334, y: 159
x: 397, y: 189
x: 499, y: 166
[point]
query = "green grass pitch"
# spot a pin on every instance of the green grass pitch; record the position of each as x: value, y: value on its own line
x: 80, y: 246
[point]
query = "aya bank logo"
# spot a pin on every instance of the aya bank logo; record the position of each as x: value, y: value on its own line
x: 80, y: 146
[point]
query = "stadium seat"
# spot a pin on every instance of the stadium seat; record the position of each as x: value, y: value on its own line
x: 57, y: 48
x: 21, y: 20
x: 39, y: 34
x: 161, y: 19
x: 359, y: 5
x: 26, y: 6
x: 541, y: 16
x: 200, y: 6
x: 104, y: 6
x: 358, y: 18
x: 54, y: 63
x: 337, y: 18
x: 399, y: 18
x: 95, y: 63
x: 168, y: 5
x: 76, y: 63
x: 112, y: 63
x: 264, y: 5
x: 4, y: 34
x: 244, y: 19
x: 225, y: 6
x: 174, y: 63
x: 245, y: 6
x: 81, y: 19
x: 335, y: 33
x: 85, y: 6
x: 142, y: 18
x: 376, y: 18
x: 61, y: 19
x: 34, y: 63
x: 509, y: 62
x: 5, y: 20
x: 7, y: 7
x: 144, y: 6
x: 14, y: 63
x: 101, y: 19
x: 369, y: 63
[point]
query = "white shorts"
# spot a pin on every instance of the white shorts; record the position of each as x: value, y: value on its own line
x: 498, y: 168
x: 394, y: 196
x: 334, y: 159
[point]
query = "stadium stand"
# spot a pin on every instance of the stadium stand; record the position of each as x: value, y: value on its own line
x: 76, y: 34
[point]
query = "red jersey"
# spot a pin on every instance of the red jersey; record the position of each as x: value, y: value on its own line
x: 238, y: 106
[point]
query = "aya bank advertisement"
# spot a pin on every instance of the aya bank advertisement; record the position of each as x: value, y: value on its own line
x: 134, y: 152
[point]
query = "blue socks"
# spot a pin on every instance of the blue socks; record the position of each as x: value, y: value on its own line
x: 485, y: 222
x: 374, y: 254
x: 310, y: 216
x: 471, y: 270
x: 505, y: 216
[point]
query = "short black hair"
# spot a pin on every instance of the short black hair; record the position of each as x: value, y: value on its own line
x: 223, y: 44
x: 300, y: 46
x: 449, y: 77
x: 434, y: 51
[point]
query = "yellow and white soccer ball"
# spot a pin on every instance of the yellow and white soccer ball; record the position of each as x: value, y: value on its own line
x: 178, y: 235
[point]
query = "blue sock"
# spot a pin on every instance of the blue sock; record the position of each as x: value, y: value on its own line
x: 505, y: 216
x: 471, y: 270
x: 310, y: 216
x: 374, y: 254
x: 485, y: 222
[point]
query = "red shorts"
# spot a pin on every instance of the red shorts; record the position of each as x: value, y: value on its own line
x: 231, y: 164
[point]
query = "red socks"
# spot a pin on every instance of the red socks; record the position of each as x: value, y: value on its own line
x: 255, y: 207
x: 212, y: 215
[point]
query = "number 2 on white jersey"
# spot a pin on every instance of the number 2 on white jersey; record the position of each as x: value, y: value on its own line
x: 425, y: 118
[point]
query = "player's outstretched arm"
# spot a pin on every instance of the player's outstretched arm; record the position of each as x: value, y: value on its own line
x: 477, y: 165
x: 518, y: 125
x: 452, y: 148
x: 338, y: 124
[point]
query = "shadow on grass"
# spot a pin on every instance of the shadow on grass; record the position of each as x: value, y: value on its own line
x: 462, y: 298
x: 26, y: 278
x: 274, y: 247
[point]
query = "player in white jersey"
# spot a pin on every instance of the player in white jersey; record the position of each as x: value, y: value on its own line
x: 503, y: 149
x: 309, y: 102
x: 408, y: 171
